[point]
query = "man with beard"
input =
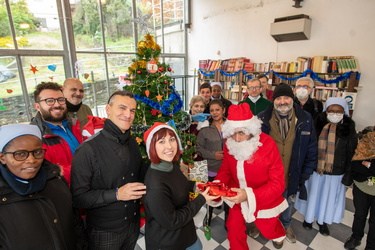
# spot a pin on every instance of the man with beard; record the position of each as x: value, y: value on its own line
x: 252, y: 167
x: 74, y: 93
x: 61, y: 136
x: 302, y: 91
x: 292, y: 128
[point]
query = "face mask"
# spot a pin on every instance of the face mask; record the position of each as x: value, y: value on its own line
x: 335, y: 118
x: 302, y: 93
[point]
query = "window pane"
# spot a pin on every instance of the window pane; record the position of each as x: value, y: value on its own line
x: 6, y: 40
x: 173, y: 23
x: 12, y: 102
x: 178, y: 76
x: 91, y: 69
x: 86, y: 25
x: 118, y: 26
x: 37, y: 24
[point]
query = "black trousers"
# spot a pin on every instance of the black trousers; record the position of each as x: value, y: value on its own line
x: 363, y: 203
x: 106, y: 240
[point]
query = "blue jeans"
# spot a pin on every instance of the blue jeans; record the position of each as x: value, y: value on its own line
x: 196, y: 246
x: 286, y: 216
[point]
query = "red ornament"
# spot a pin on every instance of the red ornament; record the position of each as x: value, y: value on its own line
x: 154, y: 111
x: 169, y: 69
x: 147, y: 92
x: 9, y: 91
x: 166, y: 82
x: 161, y: 69
x: 139, y: 72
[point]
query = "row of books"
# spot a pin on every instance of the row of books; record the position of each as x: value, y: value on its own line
x: 318, y: 64
x: 231, y: 65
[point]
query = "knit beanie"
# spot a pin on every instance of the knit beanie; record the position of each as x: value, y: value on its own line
x: 241, y: 117
x: 10, y: 132
x: 282, y: 89
x: 147, y: 137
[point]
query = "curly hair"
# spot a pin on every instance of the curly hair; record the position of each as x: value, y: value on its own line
x: 45, y: 85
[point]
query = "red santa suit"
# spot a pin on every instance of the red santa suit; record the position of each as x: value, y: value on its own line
x: 261, y: 176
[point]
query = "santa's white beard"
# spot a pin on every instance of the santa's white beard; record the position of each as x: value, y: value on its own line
x: 244, y: 150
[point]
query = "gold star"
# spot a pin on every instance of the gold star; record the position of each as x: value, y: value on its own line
x: 159, y: 97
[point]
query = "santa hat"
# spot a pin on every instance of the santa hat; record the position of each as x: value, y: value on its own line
x: 241, y: 117
x: 93, y: 126
x: 147, y: 137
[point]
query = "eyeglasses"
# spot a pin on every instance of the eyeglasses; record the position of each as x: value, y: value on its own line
x: 51, y: 101
x: 302, y: 87
x: 252, y: 88
x: 22, y: 155
x: 337, y: 113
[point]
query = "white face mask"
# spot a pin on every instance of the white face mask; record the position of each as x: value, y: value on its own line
x: 335, y: 118
x: 302, y: 93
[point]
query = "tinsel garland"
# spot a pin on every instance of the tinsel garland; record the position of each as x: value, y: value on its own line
x: 182, y: 125
x: 313, y: 75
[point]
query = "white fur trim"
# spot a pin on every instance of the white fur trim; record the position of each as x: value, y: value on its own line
x: 252, y: 126
x: 279, y: 239
x: 214, y: 203
x: 87, y: 134
x: 273, y: 212
x: 204, y: 124
x: 248, y: 207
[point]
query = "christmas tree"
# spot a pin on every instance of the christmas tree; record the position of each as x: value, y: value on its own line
x: 157, y: 100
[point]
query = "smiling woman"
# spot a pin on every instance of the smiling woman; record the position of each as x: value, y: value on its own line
x: 34, y: 194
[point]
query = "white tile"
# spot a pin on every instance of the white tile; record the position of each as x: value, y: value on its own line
x: 326, y: 243
x: 207, y: 244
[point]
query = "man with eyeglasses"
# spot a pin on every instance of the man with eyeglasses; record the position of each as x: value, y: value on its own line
x: 302, y: 91
x: 61, y: 135
x: 256, y: 102
x: 74, y: 92
x: 293, y: 130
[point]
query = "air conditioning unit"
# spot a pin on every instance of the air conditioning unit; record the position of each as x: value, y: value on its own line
x: 291, y: 28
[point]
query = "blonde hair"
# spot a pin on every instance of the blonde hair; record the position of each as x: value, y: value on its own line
x: 195, y: 99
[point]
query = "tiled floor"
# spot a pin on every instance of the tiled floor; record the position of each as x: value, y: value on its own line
x: 306, y: 239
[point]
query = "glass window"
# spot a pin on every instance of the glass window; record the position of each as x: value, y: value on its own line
x: 118, y: 25
x: 173, y: 24
x: 12, y: 101
x: 86, y: 25
x: 147, y: 17
x: 6, y: 39
x: 37, y: 24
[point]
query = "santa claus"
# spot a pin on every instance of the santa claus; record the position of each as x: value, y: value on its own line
x: 252, y: 167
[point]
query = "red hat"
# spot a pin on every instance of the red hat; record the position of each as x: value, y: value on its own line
x: 240, y: 116
x: 147, y: 137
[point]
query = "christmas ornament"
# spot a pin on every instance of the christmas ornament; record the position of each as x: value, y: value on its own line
x: 9, y: 91
x: 52, y: 67
x: 154, y: 111
x: 159, y: 97
x: 51, y: 78
x: 139, y: 140
x: 33, y: 69
x: 161, y: 69
x: 147, y: 92
x: 152, y: 67
x: 86, y: 75
x: 169, y: 69
x: 143, y: 21
x: 166, y: 82
x: 139, y: 72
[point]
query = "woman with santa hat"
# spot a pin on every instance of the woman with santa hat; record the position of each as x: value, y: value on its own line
x: 169, y: 212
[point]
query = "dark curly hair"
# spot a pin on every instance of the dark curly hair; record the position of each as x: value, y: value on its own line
x: 45, y: 85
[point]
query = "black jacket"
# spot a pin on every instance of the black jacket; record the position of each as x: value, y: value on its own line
x: 44, y: 220
x: 313, y: 106
x: 100, y: 165
x: 346, y: 143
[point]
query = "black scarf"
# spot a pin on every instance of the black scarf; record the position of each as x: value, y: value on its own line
x: 25, y: 187
x: 72, y: 107
x: 116, y: 132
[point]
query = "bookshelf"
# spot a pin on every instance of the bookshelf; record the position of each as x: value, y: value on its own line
x: 234, y: 83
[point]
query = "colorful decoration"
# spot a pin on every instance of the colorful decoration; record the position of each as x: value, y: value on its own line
x: 10, y: 91
x: 52, y: 67
x: 147, y: 92
x: 33, y: 69
x: 161, y: 69
x: 313, y: 75
x: 51, y: 78
x: 86, y: 75
x: 152, y: 67
x: 159, y: 97
x: 169, y: 69
x: 155, y: 111
x: 139, y: 72
x: 139, y: 140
